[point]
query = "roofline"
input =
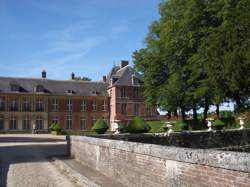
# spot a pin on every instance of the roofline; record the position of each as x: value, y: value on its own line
x: 32, y: 78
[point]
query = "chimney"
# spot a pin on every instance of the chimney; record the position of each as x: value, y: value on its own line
x: 124, y: 63
x: 72, y: 76
x: 104, y: 78
x: 44, y: 74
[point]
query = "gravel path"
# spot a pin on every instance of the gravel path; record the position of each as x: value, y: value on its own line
x: 24, y: 161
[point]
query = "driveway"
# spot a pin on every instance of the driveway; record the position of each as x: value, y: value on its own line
x: 24, y: 161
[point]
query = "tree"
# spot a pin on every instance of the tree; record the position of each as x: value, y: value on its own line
x: 83, y: 78
x: 197, y: 54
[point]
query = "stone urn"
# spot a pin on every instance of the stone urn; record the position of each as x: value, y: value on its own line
x: 116, y: 126
x: 209, y: 123
x: 169, y: 125
x: 241, y: 119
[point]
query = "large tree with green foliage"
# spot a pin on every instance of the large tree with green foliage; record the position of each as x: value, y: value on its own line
x: 197, y: 54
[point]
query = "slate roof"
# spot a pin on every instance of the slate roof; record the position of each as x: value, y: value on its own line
x: 54, y: 87
x: 123, y: 75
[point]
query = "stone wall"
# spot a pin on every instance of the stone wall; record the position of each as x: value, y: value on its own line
x: 139, y: 164
x: 237, y: 139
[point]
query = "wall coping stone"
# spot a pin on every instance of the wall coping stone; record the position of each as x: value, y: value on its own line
x: 238, y: 161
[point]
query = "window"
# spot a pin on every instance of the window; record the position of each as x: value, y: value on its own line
x: 39, y: 122
x: 105, y: 119
x: 84, y: 105
x: 94, y: 105
x: 93, y: 120
x: 123, y: 92
x: 148, y: 111
x: 123, y: 108
x: 26, y: 104
x: 14, y: 87
x: 2, y: 104
x: 39, y: 88
x: 13, y: 105
x: 1, y: 122
x: 135, y: 81
x: 39, y: 105
x: 83, y: 123
x: 104, y: 105
x: 55, y: 119
x: 69, y: 105
x: 136, y: 92
x: 55, y: 104
x: 26, y: 123
x: 13, y: 123
x: 69, y: 122
x: 136, y: 109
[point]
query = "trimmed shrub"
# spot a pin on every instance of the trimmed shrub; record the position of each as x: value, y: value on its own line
x: 138, y: 125
x: 55, y: 127
x: 100, y: 126
x: 218, y: 124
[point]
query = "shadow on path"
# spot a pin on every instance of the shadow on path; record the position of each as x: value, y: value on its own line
x: 26, y: 153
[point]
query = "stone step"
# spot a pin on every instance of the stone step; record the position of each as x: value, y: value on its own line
x: 83, y: 175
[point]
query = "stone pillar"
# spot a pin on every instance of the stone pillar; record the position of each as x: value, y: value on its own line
x: 19, y: 122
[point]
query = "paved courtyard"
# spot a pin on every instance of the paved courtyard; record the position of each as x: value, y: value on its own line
x: 24, y: 161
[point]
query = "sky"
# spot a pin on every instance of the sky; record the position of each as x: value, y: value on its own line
x: 86, y: 37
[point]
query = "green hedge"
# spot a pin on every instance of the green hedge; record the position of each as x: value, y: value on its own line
x: 100, y: 126
x: 138, y: 125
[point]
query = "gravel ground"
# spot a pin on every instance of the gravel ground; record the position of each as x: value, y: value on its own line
x: 24, y: 161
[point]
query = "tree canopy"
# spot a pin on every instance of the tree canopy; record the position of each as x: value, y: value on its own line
x: 197, y: 54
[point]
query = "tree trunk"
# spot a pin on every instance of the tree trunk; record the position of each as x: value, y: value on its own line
x: 218, y: 110
x: 169, y: 114
x: 194, y: 113
x: 206, y: 108
x: 183, y: 114
x: 175, y: 113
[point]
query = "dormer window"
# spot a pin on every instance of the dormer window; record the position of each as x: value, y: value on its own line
x: 135, y: 81
x: 39, y: 88
x: 70, y: 92
x: 14, y: 87
x: 94, y: 92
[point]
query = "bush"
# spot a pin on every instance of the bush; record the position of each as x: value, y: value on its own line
x: 138, y: 125
x: 100, y: 126
x: 180, y: 126
x: 55, y: 127
x: 156, y: 126
x: 218, y: 124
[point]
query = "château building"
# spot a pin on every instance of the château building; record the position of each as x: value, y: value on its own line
x: 74, y: 104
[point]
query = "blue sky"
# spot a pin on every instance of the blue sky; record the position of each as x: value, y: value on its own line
x: 63, y: 36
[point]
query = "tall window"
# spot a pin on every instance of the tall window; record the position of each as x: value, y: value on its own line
x: 148, y: 111
x: 39, y: 105
x: 84, y: 105
x: 2, y: 104
x: 26, y: 123
x: 136, y: 92
x: 123, y: 108
x: 93, y: 120
x: 123, y: 92
x: 94, y: 107
x: 55, y: 104
x: 83, y: 123
x: 13, y: 123
x: 136, y: 109
x: 55, y: 119
x: 69, y: 105
x: 26, y: 104
x: 39, y: 122
x: 13, y: 105
x: 1, y: 122
x: 104, y: 105
x: 69, y: 122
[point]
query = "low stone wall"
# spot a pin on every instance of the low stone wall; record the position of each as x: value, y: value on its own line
x: 139, y: 164
x: 239, y: 140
